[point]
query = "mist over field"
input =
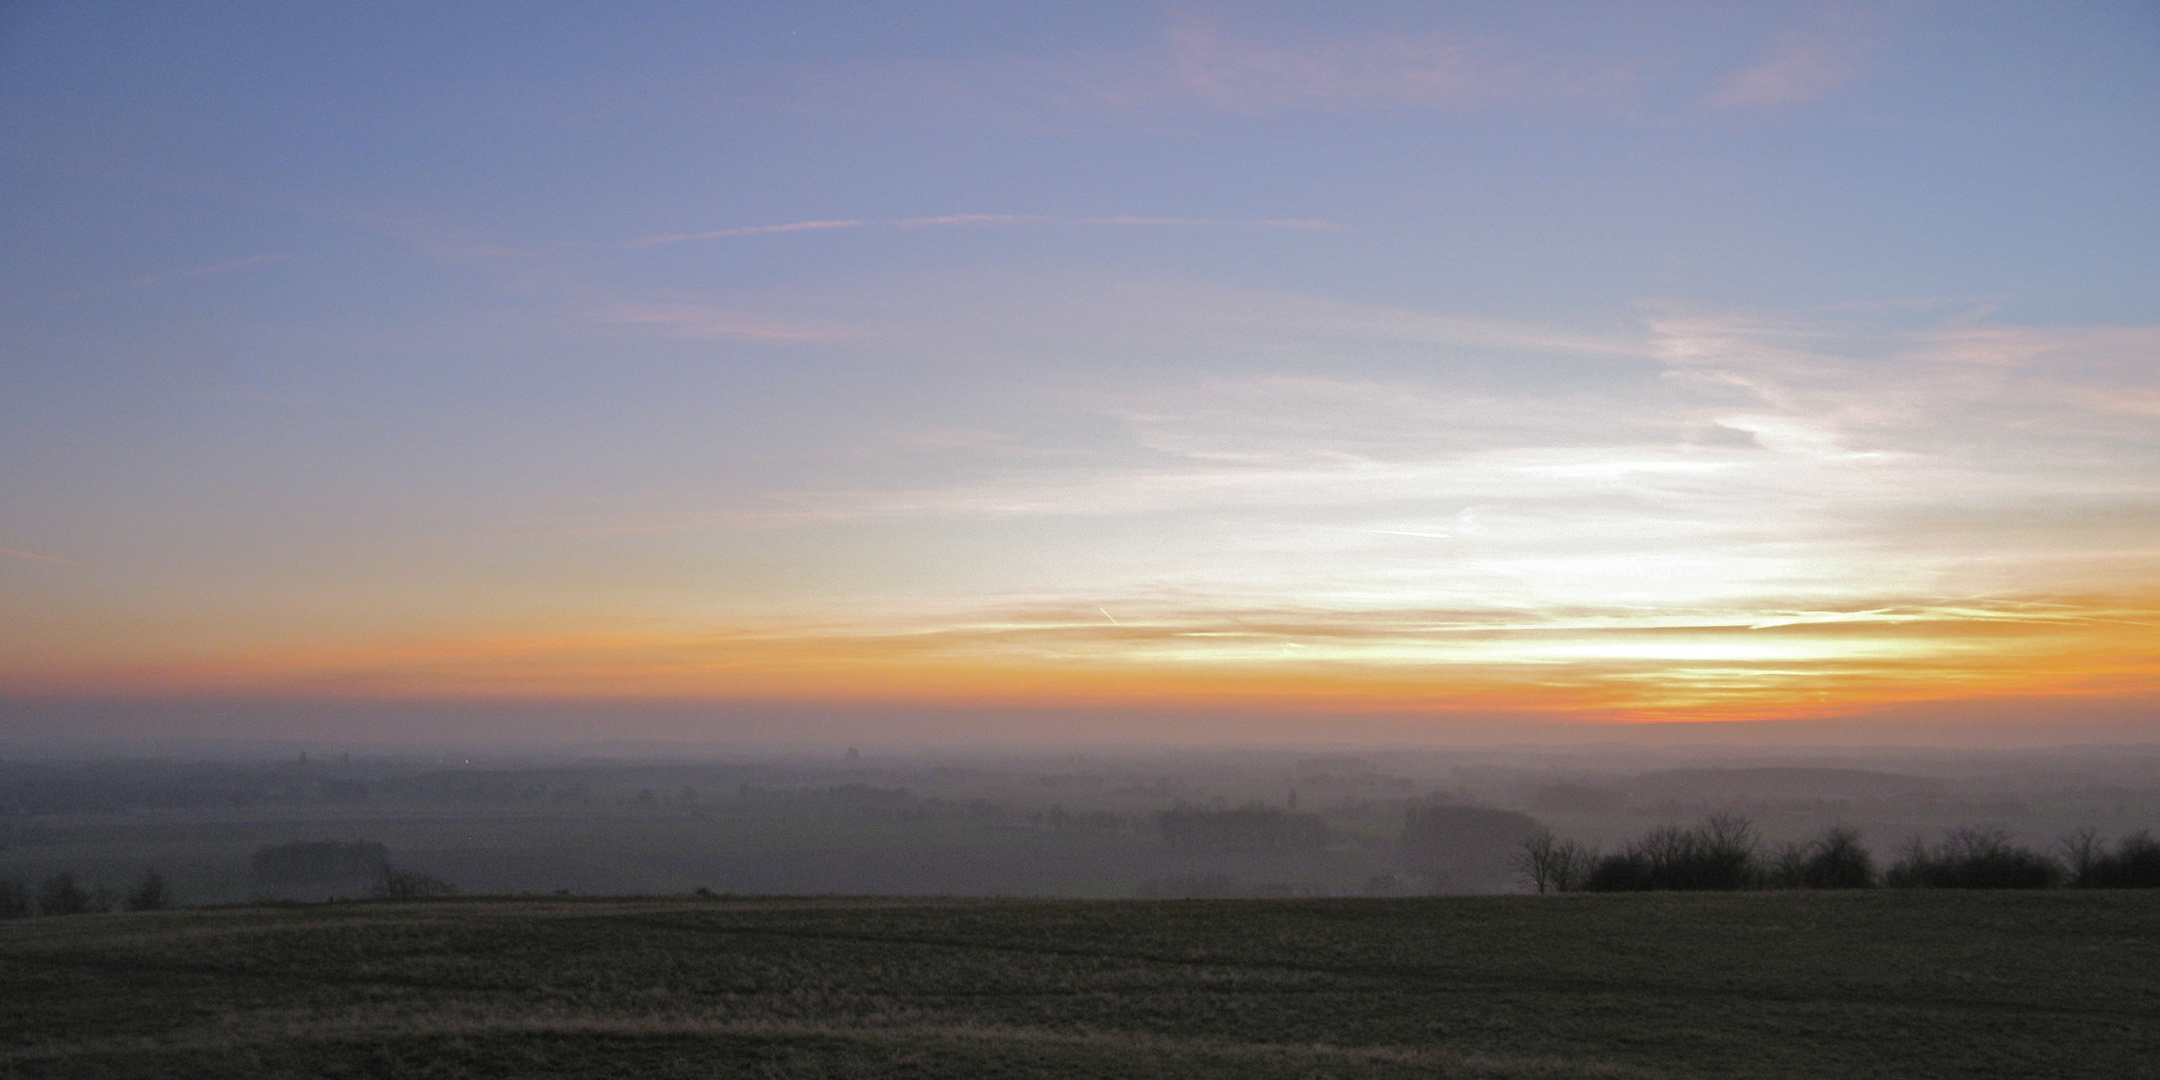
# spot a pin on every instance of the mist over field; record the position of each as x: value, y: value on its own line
x: 836, y: 540
x: 1252, y: 822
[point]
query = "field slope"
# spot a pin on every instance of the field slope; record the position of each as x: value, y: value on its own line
x: 1899, y: 984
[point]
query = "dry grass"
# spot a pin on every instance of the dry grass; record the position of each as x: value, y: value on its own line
x: 1878, y: 984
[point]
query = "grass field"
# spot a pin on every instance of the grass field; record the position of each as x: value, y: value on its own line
x: 1884, y: 983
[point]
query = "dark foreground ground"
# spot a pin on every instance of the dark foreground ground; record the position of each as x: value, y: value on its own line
x: 2057, y: 984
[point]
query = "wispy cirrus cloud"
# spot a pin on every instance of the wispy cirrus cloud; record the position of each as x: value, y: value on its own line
x: 668, y: 239
x: 1701, y: 513
x: 40, y: 558
x: 1805, y: 66
x: 226, y: 266
x: 707, y: 323
x: 152, y: 281
x: 1200, y: 65
x: 1205, y: 66
x: 1744, y: 463
x: 1432, y: 71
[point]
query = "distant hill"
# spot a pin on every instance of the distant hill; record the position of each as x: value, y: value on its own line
x: 1775, y: 782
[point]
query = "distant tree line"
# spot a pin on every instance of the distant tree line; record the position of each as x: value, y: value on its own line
x: 104, y: 786
x: 1723, y: 853
x: 318, y: 869
x: 34, y: 788
x: 1252, y: 828
x: 61, y: 894
x: 323, y: 869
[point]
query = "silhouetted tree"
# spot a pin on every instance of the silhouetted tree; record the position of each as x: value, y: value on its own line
x: 1535, y: 861
x: 1621, y: 871
x: 1969, y: 857
x: 409, y: 884
x: 1785, y: 865
x: 1834, y: 860
x: 1719, y: 854
x: 2134, y: 864
x: 1552, y: 865
x: 150, y: 893
x: 59, y: 895
x: 2081, y: 850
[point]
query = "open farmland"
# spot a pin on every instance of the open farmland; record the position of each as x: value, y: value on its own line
x: 1888, y: 983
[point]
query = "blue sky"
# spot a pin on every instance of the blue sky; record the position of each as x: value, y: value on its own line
x: 1473, y: 346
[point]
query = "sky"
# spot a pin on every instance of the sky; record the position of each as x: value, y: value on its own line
x: 1363, y: 367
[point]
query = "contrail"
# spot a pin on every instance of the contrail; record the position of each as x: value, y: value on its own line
x: 1113, y: 619
x: 40, y: 558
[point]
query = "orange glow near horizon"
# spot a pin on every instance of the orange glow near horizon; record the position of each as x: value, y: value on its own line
x: 1352, y: 366
x: 1597, y: 669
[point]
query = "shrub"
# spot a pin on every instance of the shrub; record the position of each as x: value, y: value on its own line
x: 2135, y: 864
x: 1622, y: 871
x: 1973, y: 858
x: 1552, y: 865
x: 1786, y: 866
x: 2082, y: 849
x: 59, y: 895
x: 409, y: 884
x: 1718, y: 855
x: 150, y: 893
x: 1834, y: 860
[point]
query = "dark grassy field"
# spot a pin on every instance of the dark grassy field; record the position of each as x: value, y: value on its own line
x: 1884, y: 983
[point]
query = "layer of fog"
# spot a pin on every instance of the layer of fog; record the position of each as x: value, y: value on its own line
x: 673, y: 819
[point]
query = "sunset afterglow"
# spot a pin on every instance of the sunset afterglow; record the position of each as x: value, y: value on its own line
x: 1572, y: 364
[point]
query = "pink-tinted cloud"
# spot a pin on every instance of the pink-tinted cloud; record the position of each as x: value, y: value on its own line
x: 751, y: 230
x: 1236, y: 74
x: 211, y: 270
x: 1203, y: 65
x: 40, y: 558
x: 1804, y: 67
x: 705, y: 323
x: 154, y: 280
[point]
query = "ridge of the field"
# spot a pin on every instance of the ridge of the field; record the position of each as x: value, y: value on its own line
x: 1881, y: 983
